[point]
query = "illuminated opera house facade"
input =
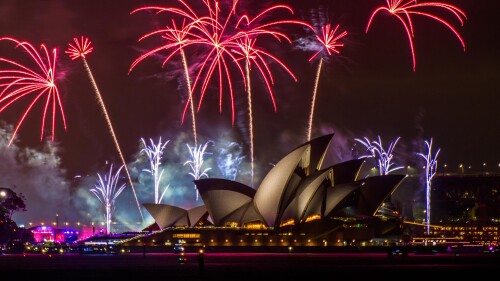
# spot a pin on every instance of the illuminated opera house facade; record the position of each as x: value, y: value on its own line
x: 298, y: 203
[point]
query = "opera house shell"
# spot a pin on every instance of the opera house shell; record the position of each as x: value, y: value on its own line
x: 297, y: 203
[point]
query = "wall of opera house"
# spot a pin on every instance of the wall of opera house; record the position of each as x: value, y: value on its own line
x: 345, y: 234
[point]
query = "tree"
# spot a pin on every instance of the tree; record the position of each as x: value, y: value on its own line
x: 11, y: 203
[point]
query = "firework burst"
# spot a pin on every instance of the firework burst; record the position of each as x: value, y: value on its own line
x: 383, y: 156
x: 257, y: 57
x: 18, y: 81
x: 177, y: 38
x: 329, y: 40
x: 197, y: 155
x: 155, y: 154
x: 430, y: 171
x: 107, y: 190
x: 80, y: 49
x: 226, y: 40
x: 403, y: 10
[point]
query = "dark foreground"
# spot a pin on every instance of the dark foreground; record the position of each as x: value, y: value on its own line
x: 248, y: 266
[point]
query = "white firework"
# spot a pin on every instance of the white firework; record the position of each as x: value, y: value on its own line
x: 384, y: 157
x: 107, y: 190
x: 196, y: 163
x: 155, y: 154
x: 430, y: 171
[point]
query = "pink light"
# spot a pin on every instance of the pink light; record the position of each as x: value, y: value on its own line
x: 329, y: 39
x: 21, y: 81
x: 404, y: 10
x: 80, y: 48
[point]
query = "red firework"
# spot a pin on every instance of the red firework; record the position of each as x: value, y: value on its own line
x: 80, y: 49
x: 237, y: 36
x: 258, y: 58
x: 403, y: 10
x: 220, y: 33
x: 176, y: 38
x: 18, y: 81
x: 329, y: 40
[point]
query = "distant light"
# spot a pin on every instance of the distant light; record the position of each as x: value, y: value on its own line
x: 3, y: 193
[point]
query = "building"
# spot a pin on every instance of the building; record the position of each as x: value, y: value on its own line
x: 298, y: 203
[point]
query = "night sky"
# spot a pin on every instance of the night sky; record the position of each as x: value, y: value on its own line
x: 370, y: 89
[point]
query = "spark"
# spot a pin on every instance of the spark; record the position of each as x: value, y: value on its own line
x: 255, y: 56
x: 404, y: 9
x: 106, y: 191
x: 155, y: 154
x: 196, y: 163
x: 430, y: 171
x: 19, y: 81
x: 79, y: 50
x: 177, y: 38
x: 383, y: 156
x: 224, y: 36
x: 258, y: 57
x: 329, y: 40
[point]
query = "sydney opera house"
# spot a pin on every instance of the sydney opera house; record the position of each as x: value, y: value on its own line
x: 298, y: 203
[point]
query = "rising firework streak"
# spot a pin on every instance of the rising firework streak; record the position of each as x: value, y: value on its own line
x: 79, y: 50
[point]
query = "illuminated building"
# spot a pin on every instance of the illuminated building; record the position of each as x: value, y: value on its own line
x: 50, y: 234
x: 298, y: 203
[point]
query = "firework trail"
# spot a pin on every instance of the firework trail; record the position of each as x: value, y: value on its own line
x: 250, y: 54
x: 80, y: 50
x: 222, y: 34
x: 155, y: 154
x: 430, y: 171
x: 384, y: 157
x: 106, y: 191
x: 196, y: 162
x: 177, y: 39
x: 19, y: 81
x: 328, y: 39
x: 404, y: 9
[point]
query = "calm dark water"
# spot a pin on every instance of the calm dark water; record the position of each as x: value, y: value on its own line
x: 248, y: 266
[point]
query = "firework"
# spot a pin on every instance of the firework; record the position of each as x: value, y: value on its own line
x: 155, y: 154
x: 80, y: 49
x: 251, y: 55
x: 329, y: 42
x: 384, y: 157
x: 430, y: 171
x: 196, y: 163
x: 225, y: 38
x: 254, y: 56
x: 176, y: 40
x: 107, y: 190
x: 18, y: 81
x: 403, y: 10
